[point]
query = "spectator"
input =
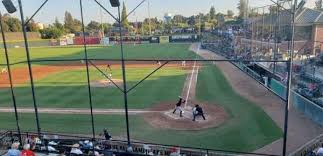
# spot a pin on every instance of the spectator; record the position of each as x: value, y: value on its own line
x: 175, y: 151
x: 76, y: 150
x: 61, y: 152
x: 86, y: 144
x: 26, y: 151
x: 14, y: 150
x: 107, y: 134
x: 320, y: 151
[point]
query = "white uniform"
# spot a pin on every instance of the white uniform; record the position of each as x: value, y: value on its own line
x: 178, y: 108
x: 4, y: 70
x: 183, y: 63
x: 194, y: 111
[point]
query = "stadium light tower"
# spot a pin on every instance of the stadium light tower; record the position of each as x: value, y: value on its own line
x: 115, y: 3
x: 9, y: 6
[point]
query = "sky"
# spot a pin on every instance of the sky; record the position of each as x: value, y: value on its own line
x: 56, y: 8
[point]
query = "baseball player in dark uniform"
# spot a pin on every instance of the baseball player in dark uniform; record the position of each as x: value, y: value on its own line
x: 109, y: 71
x: 198, y: 111
x: 178, y: 106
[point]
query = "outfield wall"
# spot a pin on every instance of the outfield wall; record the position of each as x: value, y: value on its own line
x: 31, y: 43
x: 95, y: 41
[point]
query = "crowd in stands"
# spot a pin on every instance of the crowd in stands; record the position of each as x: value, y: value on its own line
x: 60, y: 147
x: 316, y: 152
x: 33, y: 146
x: 223, y: 43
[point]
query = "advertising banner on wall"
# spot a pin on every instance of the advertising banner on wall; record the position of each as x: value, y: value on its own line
x: 163, y: 39
x: 105, y: 41
x: 184, y: 38
x: 154, y: 40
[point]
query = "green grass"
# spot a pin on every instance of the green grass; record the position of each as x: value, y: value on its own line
x: 144, y: 51
x: 69, y: 89
x: 248, y: 128
x: 248, y: 122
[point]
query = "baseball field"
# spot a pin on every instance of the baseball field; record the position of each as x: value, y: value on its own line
x: 61, y: 90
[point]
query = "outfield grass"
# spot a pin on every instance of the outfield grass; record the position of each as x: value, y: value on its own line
x: 68, y: 89
x: 144, y: 51
x: 248, y: 128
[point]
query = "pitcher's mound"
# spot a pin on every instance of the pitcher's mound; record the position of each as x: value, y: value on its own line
x: 214, y: 114
x: 106, y: 83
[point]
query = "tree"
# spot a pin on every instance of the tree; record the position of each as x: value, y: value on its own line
x: 179, y: 19
x: 318, y: 4
x: 32, y: 25
x: 220, y: 19
x: 71, y: 25
x: 58, y: 25
x: 191, y: 21
x: 5, y: 25
x: 243, y: 9
x: 14, y: 24
x: 124, y: 15
x: 230, y: 13
x: 51, y: 32
x: 56, y: 33
x: 212, y: 13
x: 93, y: 26
x: 77, y: 25
x: 106, y: 27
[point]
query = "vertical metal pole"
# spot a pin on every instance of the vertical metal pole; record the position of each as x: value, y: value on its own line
x: 149, y: 22
x: 289, y: 82
x: 263, y: 27
x: 10, y: 78
x: 29, y: 67
x: 87, y: 71
x: 257, y: 30
x: 289, y: 63
x: 276, y: 37
x: 247, y: 10
x: 252, y: 33
x: 125, y: 94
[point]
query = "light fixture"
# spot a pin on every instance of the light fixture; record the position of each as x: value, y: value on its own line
x: 9, y: 6
x: 115, y: 3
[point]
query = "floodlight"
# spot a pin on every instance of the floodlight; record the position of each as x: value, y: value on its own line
x: 9, y: 6
x: 115, y: 3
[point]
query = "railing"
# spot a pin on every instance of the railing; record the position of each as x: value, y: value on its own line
x: 4, y: 142
x: 117, y: 146
x: 309, y: 147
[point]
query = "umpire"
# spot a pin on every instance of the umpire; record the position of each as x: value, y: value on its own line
x: 198, y: 111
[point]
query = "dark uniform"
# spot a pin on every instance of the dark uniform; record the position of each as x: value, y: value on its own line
x: 198, y: 111
x: 178, y: 106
